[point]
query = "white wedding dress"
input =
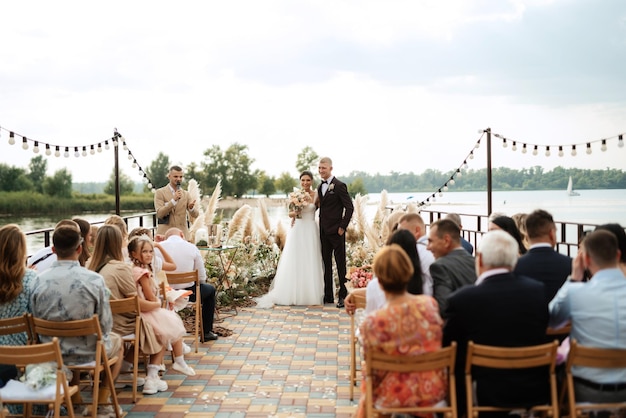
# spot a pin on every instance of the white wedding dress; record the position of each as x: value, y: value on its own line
x: 299, y: 277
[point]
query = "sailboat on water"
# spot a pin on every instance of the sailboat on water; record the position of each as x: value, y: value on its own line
x: 571, y: 192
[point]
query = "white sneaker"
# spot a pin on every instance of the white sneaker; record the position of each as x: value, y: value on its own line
x: 185, y: 369
x: 154, y: 385
x: 186, y: 348
x: 104, y: 411
x: 121, y: 384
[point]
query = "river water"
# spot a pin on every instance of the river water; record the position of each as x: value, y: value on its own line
x: 590, y: 208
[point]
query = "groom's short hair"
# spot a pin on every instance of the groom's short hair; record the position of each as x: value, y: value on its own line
x: 326, y: 160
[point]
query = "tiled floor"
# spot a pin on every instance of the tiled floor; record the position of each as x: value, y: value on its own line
x: 280, y: 362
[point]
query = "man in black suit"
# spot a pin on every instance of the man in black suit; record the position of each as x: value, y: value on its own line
x: 542, y: 262
x: 336, y: 209
x: 453, y: 267
x: 504, y: 310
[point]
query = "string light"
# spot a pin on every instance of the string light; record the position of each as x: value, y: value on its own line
x: 48, y: 150
x: 514, y: 147
x: 57, y: 152
x: 603, y: 147
x: 24, y: 143
x: 36, y: 147
x: 535, y: 150
x: 504, y: 143
x: 573, y: 150
x: 99, y: 147
x: 11, y: 138
x: 547, y: 151
x: 106, y: 145
x: 66, y: 154
x: 524, y: 149
x: 92, y: 151
x: 561, y: 150
x: 76, y: 152
x: 620, y: 141
x: 588, y: 148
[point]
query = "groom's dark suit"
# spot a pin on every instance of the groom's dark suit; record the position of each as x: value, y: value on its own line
x: 335, y: 212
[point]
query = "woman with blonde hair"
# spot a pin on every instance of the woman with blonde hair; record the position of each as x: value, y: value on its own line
x: 408, y: 325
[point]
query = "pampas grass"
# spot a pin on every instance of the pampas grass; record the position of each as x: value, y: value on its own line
x: 239, y: 222
x: 211, y: 204
x: 281, y: 236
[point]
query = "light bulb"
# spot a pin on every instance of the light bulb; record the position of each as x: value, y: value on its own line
x: 48, y: 150
x: 106, y: 145
x: 620, y: 143
x: 99, y: 147
x: 135, y: 164
x: 451, y: 182
x: 130, y: 157
x: 445, y: 188
x: 547, y: 151
x: 153, y: 190
x: 588, y: 150
x: 36, y: 147
x: 92, y: 151
x: 524, y: 149
x: 84, y: 153
x: 459, y: 174
x: 514, y: 147
x: 125, y: 146
x: 66, y: 154
x: 574, y: 152
x: 477, y: 145
x: 465, y: 166
x: 11, y: 138
x: 24, y: 143
x: 504, y: 144
x: 440, y: 193
x: 57, y: 153
x: 560, y: 152
x: 603, y: 147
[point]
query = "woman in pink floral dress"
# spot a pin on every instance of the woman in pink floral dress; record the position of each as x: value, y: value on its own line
x: 408, y: 325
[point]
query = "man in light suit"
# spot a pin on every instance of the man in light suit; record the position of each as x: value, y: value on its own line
x: 172, y: 204
x: 336, y: 209
x: 503, y: 310
x: 453, y: 266
x: 542, y: 262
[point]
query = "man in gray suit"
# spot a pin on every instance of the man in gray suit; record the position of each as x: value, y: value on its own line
x: 453, y: 266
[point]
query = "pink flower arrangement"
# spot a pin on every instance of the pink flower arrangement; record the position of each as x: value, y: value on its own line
x: 360, y: 276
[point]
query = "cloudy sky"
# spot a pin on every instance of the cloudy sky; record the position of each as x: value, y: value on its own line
x: 378, y: 86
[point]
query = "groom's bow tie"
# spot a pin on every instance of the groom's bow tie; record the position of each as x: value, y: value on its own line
x: 324, y: 182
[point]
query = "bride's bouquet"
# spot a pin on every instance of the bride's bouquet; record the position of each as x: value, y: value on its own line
x: 298, y: 199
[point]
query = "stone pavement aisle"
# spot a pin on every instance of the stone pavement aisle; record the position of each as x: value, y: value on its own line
x: 280, y: 362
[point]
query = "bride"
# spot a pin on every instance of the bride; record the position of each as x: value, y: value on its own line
x: 299, y: 277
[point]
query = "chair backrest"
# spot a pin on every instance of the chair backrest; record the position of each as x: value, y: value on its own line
x: 16, y: 325
x: 443, y: 358
x: 76, y: 328
x: 126, y: 305
x: 580, y: 355
x: 21, y: 356
x: 183, y: 278
x: 511, y: 358
x: 359, y: 300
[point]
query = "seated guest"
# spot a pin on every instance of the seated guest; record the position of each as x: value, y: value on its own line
x: 456, y: 218
x: 44, y: 258
x: 504, y: 310
x: 508, y: 225
x: 162, y: 261
x: 542, y: 262
x: 619, y: 233
x: 374, y: 294
x: 453, y: 267
x: 15, y: 282
x: 408, y: 325
x: 187, y: 258
x: 108, y: 260
x: 67, y: 291
x: 415, y: 224
x: 597, y: 312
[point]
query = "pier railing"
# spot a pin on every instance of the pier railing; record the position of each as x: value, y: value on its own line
x: 569, y: 234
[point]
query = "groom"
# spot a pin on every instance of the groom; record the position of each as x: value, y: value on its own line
x: 335, y: 212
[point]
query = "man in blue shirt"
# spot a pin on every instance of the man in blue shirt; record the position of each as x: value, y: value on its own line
x: 597, y: 311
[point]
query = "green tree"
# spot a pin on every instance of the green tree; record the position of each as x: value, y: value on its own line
x: 266, y: 184
x: 232, y: 167
x: 127, y: 186
x: 191, y: 172
x: 285, y: 183
x: 59, y: 185
x: 357, y: 187
x: 158, y: 169
x: 37, y: 172
x: 14, y: 179
x: 307, y: 160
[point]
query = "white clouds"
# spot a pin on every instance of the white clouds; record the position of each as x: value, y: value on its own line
x: 378, y: 86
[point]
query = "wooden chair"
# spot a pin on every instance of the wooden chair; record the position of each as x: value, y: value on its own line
x: 559, y: 332
x: 580, y: 355
x: 17, y: 325
x: 359, y: 300
x: 440, y: 359
x: 130, y: 306
x: 185, y: 278
x: 16, y: 392
x: 101, y: 364
x: 511, y: 358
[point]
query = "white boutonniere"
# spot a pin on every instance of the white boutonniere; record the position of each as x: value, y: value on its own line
x: 331, y: 187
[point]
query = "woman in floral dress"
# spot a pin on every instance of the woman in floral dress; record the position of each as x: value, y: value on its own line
x: 408, y: 325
